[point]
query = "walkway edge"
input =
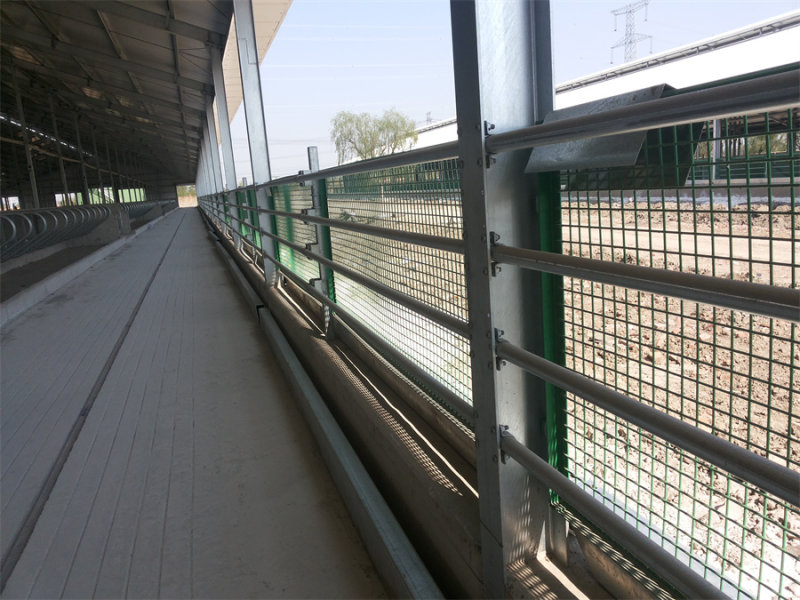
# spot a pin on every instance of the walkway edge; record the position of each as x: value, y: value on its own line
x: 19, y: 303
x: 395, y: 559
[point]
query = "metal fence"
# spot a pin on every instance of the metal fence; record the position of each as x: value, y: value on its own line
x: 675, y: 370
x: 731, y: 212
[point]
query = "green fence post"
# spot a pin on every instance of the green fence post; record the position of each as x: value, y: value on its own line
x: 252, y: 217
x: 241, y: 213
x: 287, y: 207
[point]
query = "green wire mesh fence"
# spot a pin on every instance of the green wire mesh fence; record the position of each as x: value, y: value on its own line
x: 294, y: 199
x: 716, y: 198
x: 423, y: 198
x: 727, y: 208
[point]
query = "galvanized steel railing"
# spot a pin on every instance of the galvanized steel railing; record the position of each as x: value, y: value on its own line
x: 24, y: 231
x: 653, y: 442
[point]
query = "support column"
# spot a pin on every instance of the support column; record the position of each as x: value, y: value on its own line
x: 224, y: 119
x: 120, y: 176
x: 26, y: 138
x: 84, y: 178
x: 136, y: 181
x: 98, y: 168
x: 319, y: 200
x: 114, y: 187
x: 494, y: 68
x: 226, y: 143
x: 213, y: 147
x: 256, y: 127
x: 63, y: 173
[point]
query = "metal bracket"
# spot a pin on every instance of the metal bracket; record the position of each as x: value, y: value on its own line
x: 504, y: 432
x: 496, y: 268
x: 498, y: 338
x: 490, y: 159
x: 494, y: 238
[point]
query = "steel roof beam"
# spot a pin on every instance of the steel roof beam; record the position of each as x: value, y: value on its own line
x: 167, y: 131
x: 24, y: 38
x: 187, y: 108
x: 156, y: 21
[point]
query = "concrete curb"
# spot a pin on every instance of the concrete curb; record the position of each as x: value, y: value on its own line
x: 21, y: 302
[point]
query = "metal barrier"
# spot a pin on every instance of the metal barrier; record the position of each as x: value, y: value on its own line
x: 24, y: 231
x: 673, y: 372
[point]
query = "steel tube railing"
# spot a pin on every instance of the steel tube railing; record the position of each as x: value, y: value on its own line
x: 448, y: 321
x: 781, y: 481
x: 775, y: 92
x: 461, y: 408
x: 399, y: 159
x: 419, y: 239
x: 771, y: 301
x: 656, y: 559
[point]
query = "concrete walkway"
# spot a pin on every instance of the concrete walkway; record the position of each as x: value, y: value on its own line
x: 193, y: 474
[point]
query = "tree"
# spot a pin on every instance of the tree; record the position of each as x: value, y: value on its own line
x: 365, y: 136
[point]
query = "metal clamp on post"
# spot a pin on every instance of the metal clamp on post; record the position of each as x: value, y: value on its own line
x: 504, y: 433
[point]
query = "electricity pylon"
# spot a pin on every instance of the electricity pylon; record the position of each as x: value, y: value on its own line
x: 631, y: 39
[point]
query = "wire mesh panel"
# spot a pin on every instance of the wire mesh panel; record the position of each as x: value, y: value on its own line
x: 720, y: 199
x: 422, y: 198
x: 295, y: 199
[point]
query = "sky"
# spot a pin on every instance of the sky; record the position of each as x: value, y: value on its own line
x: 373, y: 55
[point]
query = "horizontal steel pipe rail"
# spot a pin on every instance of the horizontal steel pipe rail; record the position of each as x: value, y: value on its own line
x: 657, y: 560
x: 781, y: 481
x: 770, y: 301
x: 460, y: 408
x: 399, y: 159
x: 437, y: 316
x: 775, y: 92
x: 420, y: 239
x: 448, y: 321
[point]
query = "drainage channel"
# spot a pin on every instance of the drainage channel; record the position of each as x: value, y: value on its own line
x: 25, y: 531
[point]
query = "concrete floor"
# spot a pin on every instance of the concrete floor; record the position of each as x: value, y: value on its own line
x: 193, y: 474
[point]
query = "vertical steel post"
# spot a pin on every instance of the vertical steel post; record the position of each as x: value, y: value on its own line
x: 226, y: 142
x: 224, y: 120
x: 209, y: 182
x: 26, y: 139
x: 199, y: 182
x: 139, y: 182
x: 494, y: 71
x: 319, y: 203
x: 61, y: 170
x: 211, y: 128
x: 98, y: 168
x: 120, y: 176
x: 130, y: 166
x: 254, y: 115
x: 550, y: 329
x: 84, y: 178
x: 114, y: 187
